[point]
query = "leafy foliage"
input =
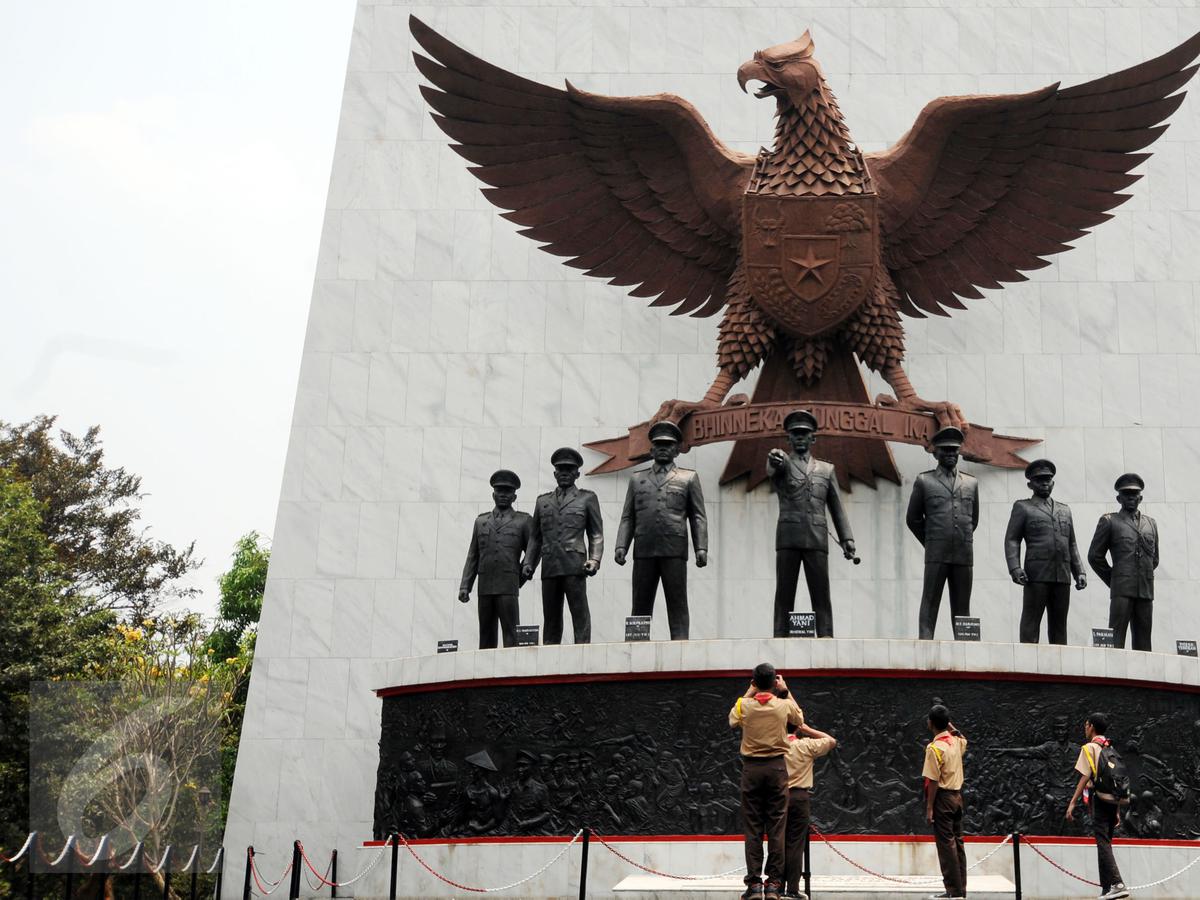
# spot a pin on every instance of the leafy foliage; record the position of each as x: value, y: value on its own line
x: 90, y: 517
x: 46, y: 633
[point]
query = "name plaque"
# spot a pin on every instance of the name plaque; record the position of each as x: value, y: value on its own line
x: 448, y: 646
x: 802, y: 624
x: 527, y: 635
x: 966, y: 628
x: 637, y: 628
x: 1185, y: 648
x: 1103, y: 637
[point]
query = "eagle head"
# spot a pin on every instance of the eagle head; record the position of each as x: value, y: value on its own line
x: 789, y: 72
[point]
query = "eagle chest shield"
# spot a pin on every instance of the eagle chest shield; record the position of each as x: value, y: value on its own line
x: 810, y: 260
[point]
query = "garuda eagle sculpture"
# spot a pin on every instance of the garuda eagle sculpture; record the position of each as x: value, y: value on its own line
x: 811, y: 249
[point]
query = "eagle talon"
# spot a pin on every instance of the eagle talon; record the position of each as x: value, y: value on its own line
x: 677, y: 410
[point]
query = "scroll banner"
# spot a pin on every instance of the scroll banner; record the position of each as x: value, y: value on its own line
x: 850, y: 420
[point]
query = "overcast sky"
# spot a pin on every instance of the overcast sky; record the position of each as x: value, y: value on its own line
x: 163, y: 169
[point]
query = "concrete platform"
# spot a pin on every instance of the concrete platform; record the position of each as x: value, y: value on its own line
x: 847, y: 887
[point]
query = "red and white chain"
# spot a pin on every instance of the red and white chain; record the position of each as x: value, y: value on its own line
x: 490, y: 890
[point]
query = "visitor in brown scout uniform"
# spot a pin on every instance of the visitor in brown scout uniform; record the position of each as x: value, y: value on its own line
x: 804, y: 748
x: 764, y: 713
x: 943, y: 773
x: 1106, y: 812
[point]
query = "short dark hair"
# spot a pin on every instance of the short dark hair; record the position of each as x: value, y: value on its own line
x: 939, y: 717
x: 764, y: 676
x: 1099, y: 722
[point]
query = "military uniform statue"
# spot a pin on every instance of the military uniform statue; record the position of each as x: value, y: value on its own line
x: 1051, y: 556
x: 660, y: 505
x: 562, y: 520
x: 806, y: 488
x: 943, y: 513
x: 1131, y: 538
x: 498, y: 542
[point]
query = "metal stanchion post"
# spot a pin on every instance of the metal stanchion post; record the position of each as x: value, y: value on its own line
x: 34, y: 850
x: 294, y: 886
x: 195, y: 872
x: 808, y: 862
x: 249, y: 863
x: 164, y: 866
x: 1017, y: 862
x: 220, y: 873
x: 138, y: 857
x: 583, y: 863
x: 70, y: 883
x: 333, y: 873
x: 395, y: 864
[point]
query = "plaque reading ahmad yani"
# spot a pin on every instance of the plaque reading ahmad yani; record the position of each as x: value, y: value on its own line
x: 811, y: 250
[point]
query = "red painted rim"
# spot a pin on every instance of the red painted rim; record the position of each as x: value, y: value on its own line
x: 1040, y: 840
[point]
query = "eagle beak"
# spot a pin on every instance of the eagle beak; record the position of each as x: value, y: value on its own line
x: 751, y: 69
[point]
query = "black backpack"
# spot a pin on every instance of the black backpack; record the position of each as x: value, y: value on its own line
x: 1111, y: 777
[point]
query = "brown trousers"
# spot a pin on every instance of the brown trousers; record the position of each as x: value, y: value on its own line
x: 948, y: 834
x: 1104, y: 823
x: 798, y: 812
x: 764, y: 811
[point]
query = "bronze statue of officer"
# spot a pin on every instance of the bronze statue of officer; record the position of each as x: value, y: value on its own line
x: 498, y: 542
x: 662, y: 502
x: 1131, y: 538
x: 943, y: 513
x: 806, y: 488
x: 567, y: 538
x: 1051, y: 556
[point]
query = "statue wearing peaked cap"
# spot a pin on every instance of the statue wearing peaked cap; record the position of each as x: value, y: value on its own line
x: 1130, y: 537
x: 1051, y: 556
x: 943, y: 513
x: 567, y: 540
x: 661, y: 504
x: 807, y: 490
x: 498, y: 541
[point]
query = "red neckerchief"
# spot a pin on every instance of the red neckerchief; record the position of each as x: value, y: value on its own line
x: 763, y: 697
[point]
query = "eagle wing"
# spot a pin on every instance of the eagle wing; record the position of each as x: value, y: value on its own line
x: 981, y: 188
x: 636, y: 190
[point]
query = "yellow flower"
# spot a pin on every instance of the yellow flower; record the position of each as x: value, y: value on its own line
x: 210, y: 651
x: 147, y: 622
x: 231, y: 660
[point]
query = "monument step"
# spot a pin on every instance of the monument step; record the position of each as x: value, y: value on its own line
x: 847, y: 887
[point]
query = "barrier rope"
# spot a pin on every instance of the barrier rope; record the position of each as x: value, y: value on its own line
x: 913, y: 879
x: 1062, y: 869
x: 1131, y: 887
x: 216, y: 862
x: 491, y: 890
x: 1142, y: 887
x: 322, y: 880
x: 617, y: 853
x: 20, y: 853
x: 274, y: 884
x: 327, y: 883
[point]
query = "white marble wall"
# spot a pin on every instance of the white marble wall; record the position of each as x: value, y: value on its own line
x: 437, y: 345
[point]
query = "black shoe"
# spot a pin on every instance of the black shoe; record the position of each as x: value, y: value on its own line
x: 753, y: 892
x: 771, y: 892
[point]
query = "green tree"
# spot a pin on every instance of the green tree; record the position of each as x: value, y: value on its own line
x: 232, y: 639
x: 90, y: 516
x: 242, y: 589
x: 46, y: 634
